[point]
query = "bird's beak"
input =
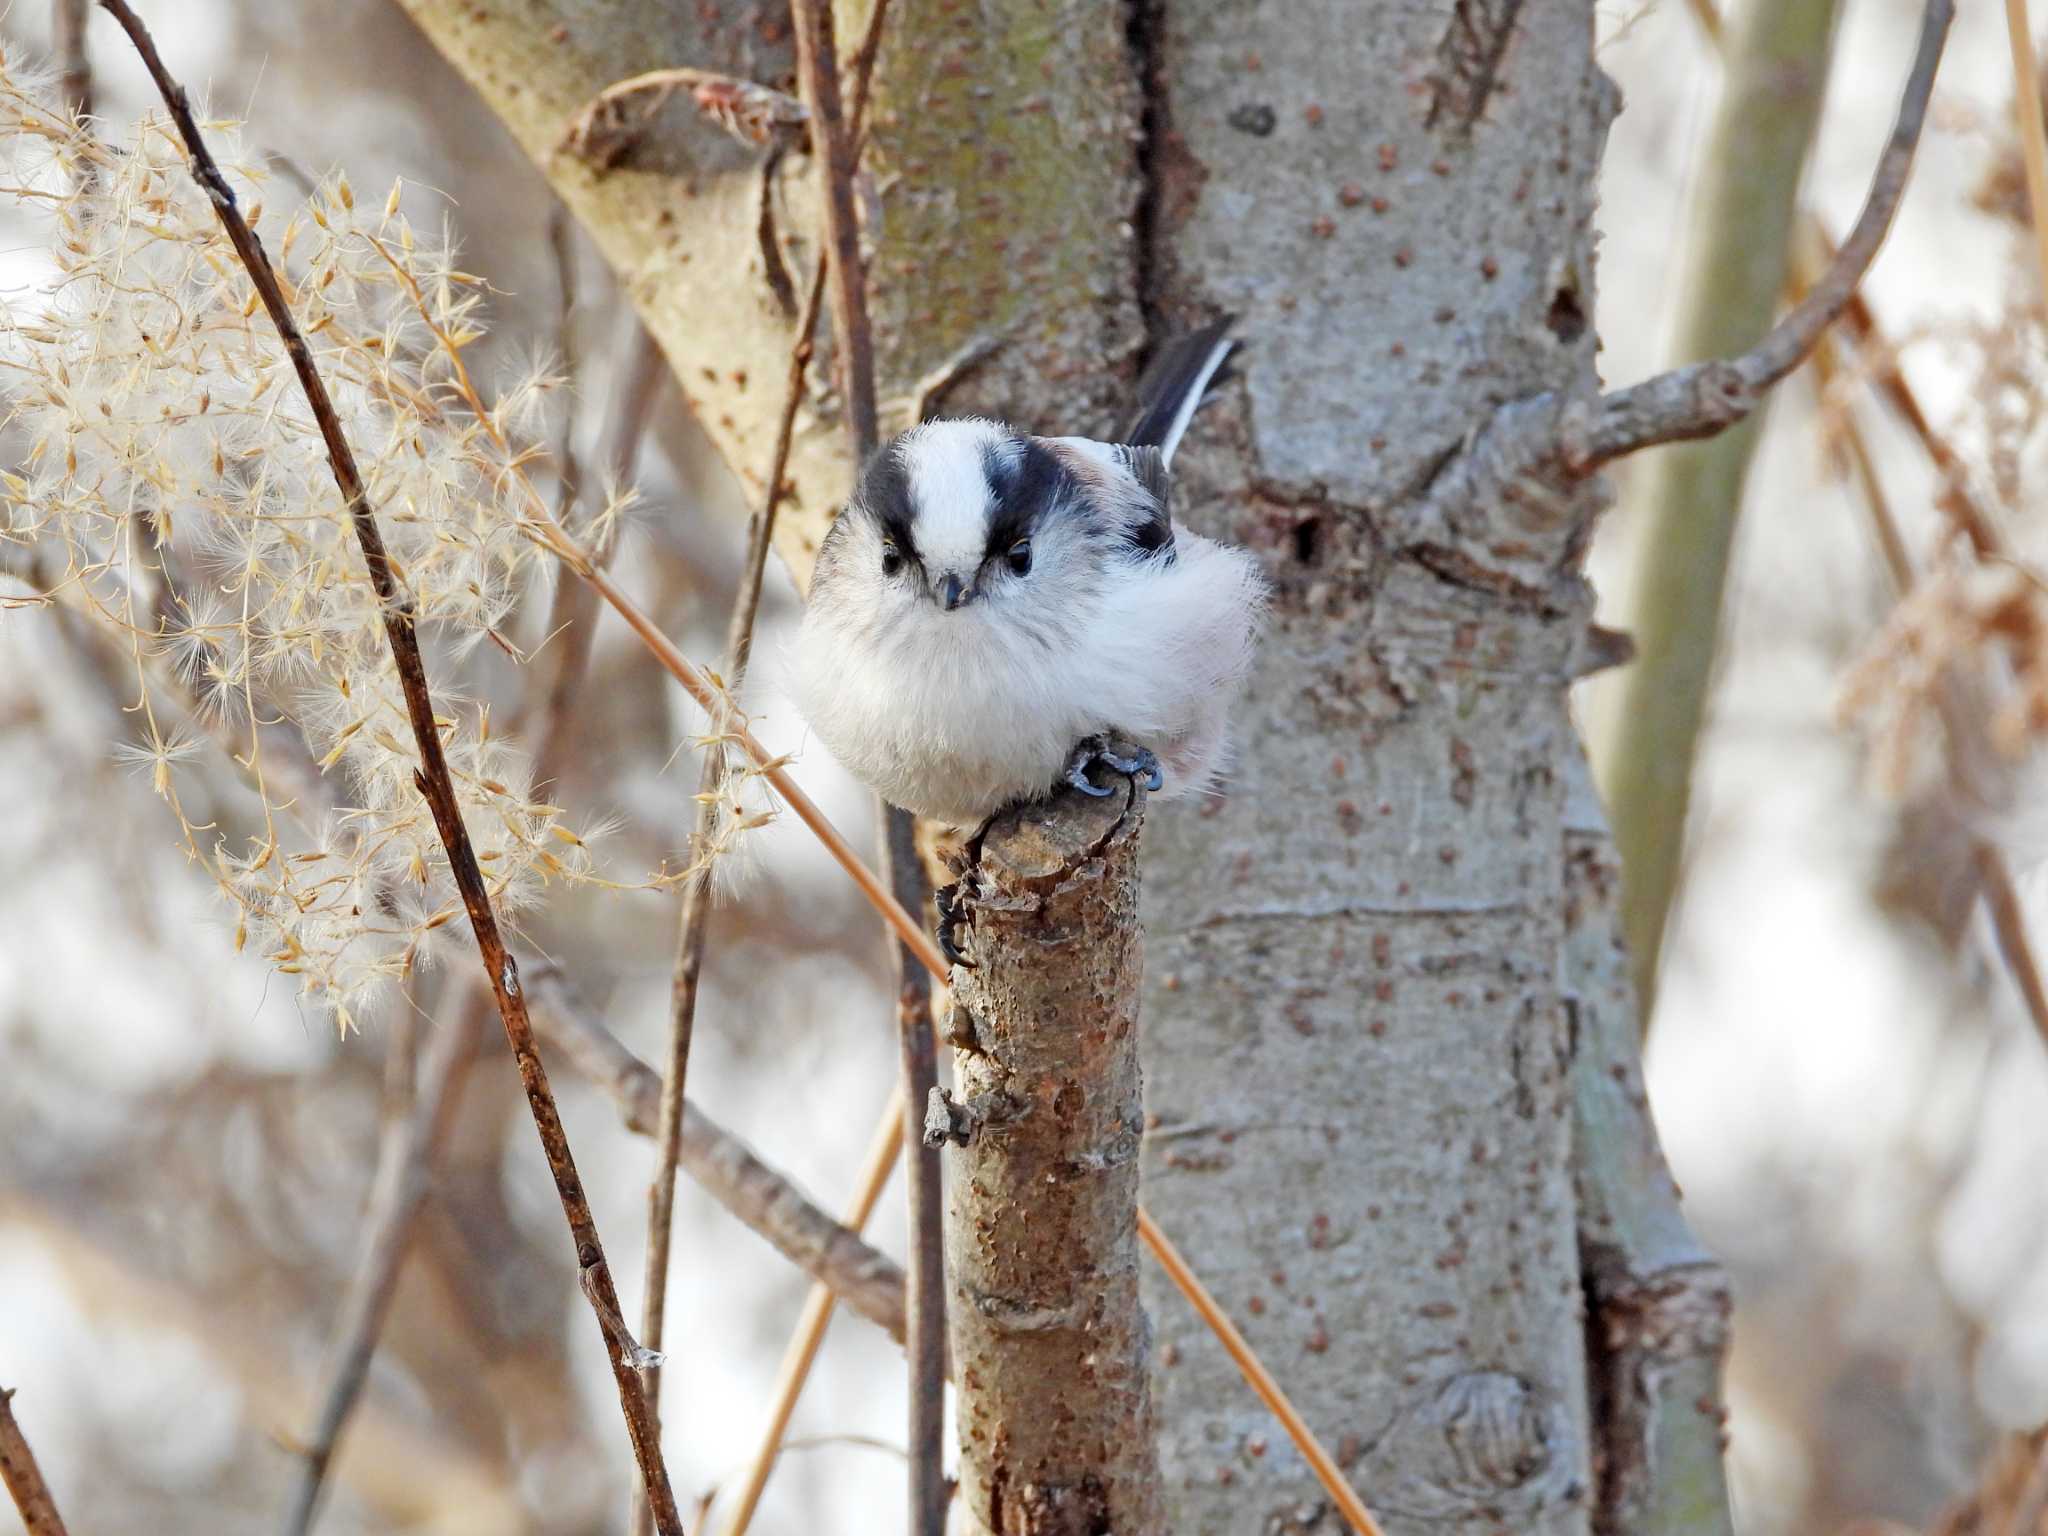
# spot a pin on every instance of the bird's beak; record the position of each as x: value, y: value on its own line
x: 955, y: 593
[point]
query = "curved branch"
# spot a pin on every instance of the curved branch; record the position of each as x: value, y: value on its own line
x: 1703, y: 399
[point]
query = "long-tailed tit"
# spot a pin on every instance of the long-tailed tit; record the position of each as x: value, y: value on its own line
x: 991, y: 609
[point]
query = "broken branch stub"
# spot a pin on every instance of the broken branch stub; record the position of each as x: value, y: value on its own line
x: 1050, y: 1344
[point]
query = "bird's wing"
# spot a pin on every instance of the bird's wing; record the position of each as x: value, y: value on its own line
x: 1175, y: 384
x: 1147, y: 466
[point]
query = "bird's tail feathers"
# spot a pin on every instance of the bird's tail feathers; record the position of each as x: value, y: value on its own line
x: 1174, y: 386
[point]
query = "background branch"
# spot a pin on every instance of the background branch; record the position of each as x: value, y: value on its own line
x: 866, y: 1280
x: 694, y: 919
x: 1702, y: 399
x: 1736, y: 269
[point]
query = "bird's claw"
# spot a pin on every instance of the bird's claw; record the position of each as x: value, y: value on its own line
x: 951, y: 919
x: 1142, y: 764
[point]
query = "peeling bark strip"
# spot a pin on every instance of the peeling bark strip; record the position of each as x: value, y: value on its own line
x: 1050, y: 1344
x: 1469, y: 60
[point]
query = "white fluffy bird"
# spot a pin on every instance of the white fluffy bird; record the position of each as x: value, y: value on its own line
x: 992, y: 610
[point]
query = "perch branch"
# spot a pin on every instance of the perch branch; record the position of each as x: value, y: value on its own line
x: 23, y: 1477
x: 1702, y: 399
x: 433, y: 778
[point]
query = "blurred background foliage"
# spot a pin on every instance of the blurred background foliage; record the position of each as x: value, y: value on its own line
x: 1845, y: 1072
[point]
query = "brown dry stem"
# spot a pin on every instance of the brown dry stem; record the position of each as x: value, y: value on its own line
x: 433, y: 778
x: 23, y: 1477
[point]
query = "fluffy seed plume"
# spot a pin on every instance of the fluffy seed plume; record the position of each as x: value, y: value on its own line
x: 174, y: 477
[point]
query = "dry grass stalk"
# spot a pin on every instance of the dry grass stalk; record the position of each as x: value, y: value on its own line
x: 883, y: 1149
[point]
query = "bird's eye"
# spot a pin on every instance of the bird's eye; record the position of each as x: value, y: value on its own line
x: 892, y: 559
x: 1020, y: 556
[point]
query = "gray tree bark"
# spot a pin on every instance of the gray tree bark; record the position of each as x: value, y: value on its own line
x: 1355, y: 1019
x: 1355, y: 1031
x: 1050, y: 1347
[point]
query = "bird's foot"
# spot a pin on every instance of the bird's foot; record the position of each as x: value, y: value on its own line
x: 1142, y: 765
x: 951, y: 919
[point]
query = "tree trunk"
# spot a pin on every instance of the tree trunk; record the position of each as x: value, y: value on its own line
x: 1049, y: 1343
x: 1355, y: 1008
x: 1355, y: 1033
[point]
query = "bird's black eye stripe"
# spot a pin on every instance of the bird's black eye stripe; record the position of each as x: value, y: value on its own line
x: 1026, y: 480
x: 884, y: 496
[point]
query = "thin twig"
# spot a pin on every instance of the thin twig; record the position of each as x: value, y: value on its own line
x: 1325, y: 1466
x: 1961, y: 502
x: 572, y: 615
x: 2026, y: 91
x: 1702, y: 399
x: 832, y: 148
x: 925, y: 1305
x: 835, y: 148
x: 1708, y: 16
x: 694, y: 921
x: 67, y: 41
x: 395, y: 1197
x: 432, y: 777
x: 810, y: 1328
x: 23, y: 1477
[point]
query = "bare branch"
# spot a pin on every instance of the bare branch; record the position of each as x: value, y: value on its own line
x: 2026, y: 99
x: 1703, y: 399
x: 1047, y: 1253
x: 836, y: 149
x: 696, y: 907
x: 868, y: 1281
x: 23, y: 1477
x: 432, y: 776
